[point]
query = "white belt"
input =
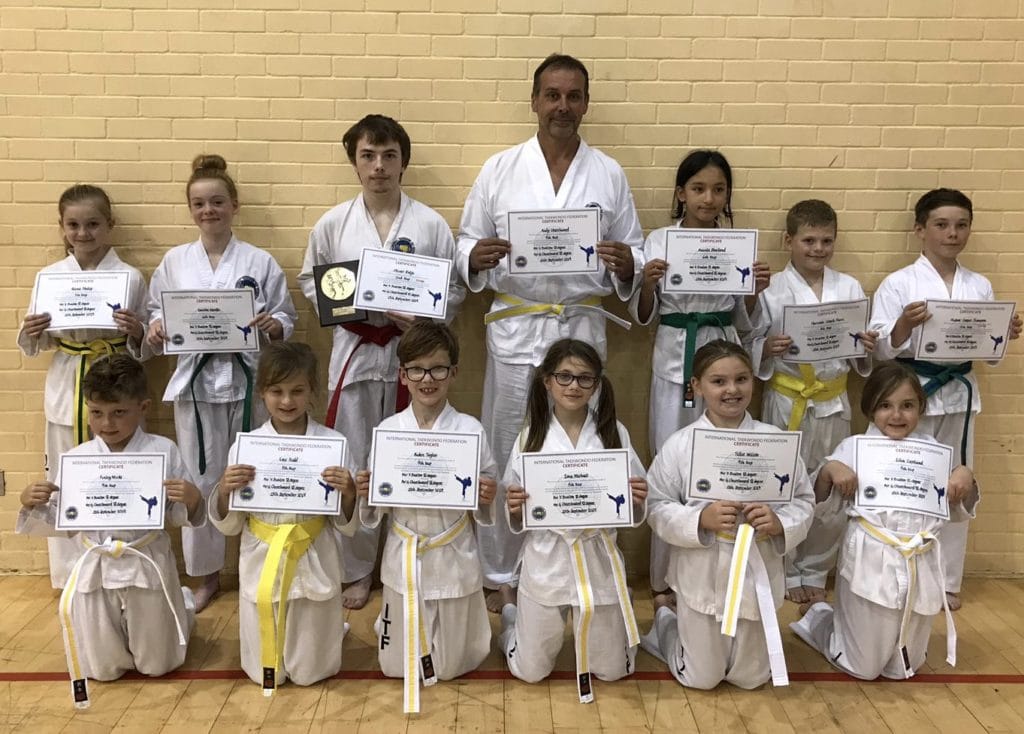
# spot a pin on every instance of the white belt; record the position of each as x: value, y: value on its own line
x: 585, y: 594
x: 742, y: 558
x: 114, y: 549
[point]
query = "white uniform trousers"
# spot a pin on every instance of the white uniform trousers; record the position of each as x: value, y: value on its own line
x: 63, y: 551
x: 312, y: 640
x: 203, y: 547
x: 363, y: 405
x: 667, y: 415
x: 502, y: 414
x: 458, y: 633
x: 700, y: 656
x: 532, y: 635
x: 815, y: 558
x: 117, y: 630
x: 860, y: 637
x: 949, y: 429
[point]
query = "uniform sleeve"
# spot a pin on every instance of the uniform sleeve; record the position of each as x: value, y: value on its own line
x: 345, y: 525
x: 674, y: 521
x: 764, y: 365
x: 31, y: 346
x: 177, y: 513
x: 138, y: 303
x: 885, y: 310
x: 634, y: 299
x: 40, y: 520
x: 512, y: 479
x: 636, y: 469
x: 796, y: 515
x: 309, y: 260
x: 475, y: 225
x: 278, y: 299
x: 160, y: 282
x: 625, y: 228
x: 485, y: 514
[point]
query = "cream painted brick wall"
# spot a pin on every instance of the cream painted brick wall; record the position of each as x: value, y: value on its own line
x: 864, y: 104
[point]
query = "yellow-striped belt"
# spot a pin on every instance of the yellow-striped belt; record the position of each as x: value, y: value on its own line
x: 515, y: 306
x: 910, y: 547
x: 287, y: 542
x: 585, y: 594
x: 416, y: 646
x: 804, y: 388
x: 114, y: 549
x: 746, y: 554
x: 86, y: 353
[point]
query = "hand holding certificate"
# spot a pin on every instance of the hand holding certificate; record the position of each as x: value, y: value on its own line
x: 554, y: 241
x: 743, y: 466
x: 588, y: 489
x: 85, y: 300
x: 908, y: 475
x: 209, y: 321
x: 960, y: 331
x: 825, y: 331
x: 429, y: 469
x: 397, y: 281
x: 288, y: 474
x: 710, y: 261
x: 111, y: 492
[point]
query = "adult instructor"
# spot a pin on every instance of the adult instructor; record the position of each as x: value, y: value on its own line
x: 555, y: 169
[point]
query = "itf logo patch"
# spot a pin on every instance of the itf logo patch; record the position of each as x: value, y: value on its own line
x: 247, y: 281
x: 404, y: 244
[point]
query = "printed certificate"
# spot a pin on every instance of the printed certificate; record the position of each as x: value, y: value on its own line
x: 209, y: 321
x: 907, y: 475
x: 288, y: 474
x: 587, y: 489
x: 743, y: 466
x: 85, y: 300
x: 960, y: 331
x: 396, y: 281
x: 424, y: 469
x: 710, y: 261
x: 825, y: 331
x: 111, y: 492
x: 554, y: 241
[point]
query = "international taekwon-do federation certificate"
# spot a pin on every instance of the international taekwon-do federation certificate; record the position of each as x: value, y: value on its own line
x: 825, y: 331
x: 586, y: 489
x: 960, y: 331
x: 85, y: 300
x: 111, y: 492
x: 209, y: 321
x: 397, y: 281
x: 434, y: 469
x: 719, y: 261
x: 908, y: 475
x: 743, y: 466
x: 288, y: 474
x: 554, y: 241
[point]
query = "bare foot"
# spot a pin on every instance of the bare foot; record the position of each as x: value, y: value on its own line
x: 664, y: 599
x: 814, y: 593
x: 357, y: 593
x: 798, y: 595
x: 496, y: 600
x: 802, y: 609
x: 205, y: 592
x: 953, y: 600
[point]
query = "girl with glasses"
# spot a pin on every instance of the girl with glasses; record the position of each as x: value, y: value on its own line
x: 560, y: 419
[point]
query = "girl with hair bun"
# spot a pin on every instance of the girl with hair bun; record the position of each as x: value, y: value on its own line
x: 213, y: 393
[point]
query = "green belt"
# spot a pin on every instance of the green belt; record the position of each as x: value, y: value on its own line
x: 938, y: 375
x: 246, y: 408
x: 692, y: 322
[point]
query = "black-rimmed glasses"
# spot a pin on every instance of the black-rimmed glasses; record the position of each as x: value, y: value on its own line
x: 437, y: 374
x: 565, y: 379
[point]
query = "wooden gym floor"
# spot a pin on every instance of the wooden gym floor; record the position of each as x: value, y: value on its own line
x: 985, y: 693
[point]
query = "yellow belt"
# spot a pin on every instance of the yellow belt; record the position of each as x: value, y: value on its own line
x: 113, y: 549
x: 585, y: 594
x: 910, y: 547
x: 417, y: 647
x: 742, y: 558
x: 518, y: 307
x: 288, y: 541
x: 86, y: 353
x: 804, y: 388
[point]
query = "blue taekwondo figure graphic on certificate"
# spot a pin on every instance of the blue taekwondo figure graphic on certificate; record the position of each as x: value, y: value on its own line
x: 586, y: 489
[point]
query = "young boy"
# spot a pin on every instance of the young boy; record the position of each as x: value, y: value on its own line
x: 454, y: 633
x: 808, y: 397
x: 363, y: 371
x: 122, y: 608
x: 942, y: 222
